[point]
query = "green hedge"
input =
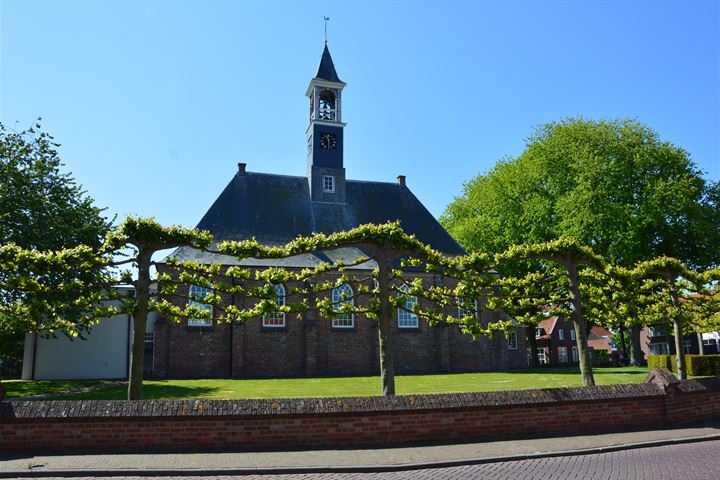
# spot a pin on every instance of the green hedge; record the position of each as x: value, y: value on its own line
x: 661, y: 361
x: 703, y: 365
x: 697, y: 365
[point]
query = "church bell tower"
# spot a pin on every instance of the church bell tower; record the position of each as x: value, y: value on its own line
x: 326, y: 172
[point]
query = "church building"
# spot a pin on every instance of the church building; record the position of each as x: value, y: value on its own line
x: 274, y: 209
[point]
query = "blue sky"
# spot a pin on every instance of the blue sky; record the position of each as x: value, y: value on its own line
x: 155, y: 102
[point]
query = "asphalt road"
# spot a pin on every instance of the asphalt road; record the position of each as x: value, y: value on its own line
x: 691, y: 461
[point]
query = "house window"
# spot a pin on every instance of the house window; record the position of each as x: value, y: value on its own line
x: 407, y: 318
x: 512, y: 341
x: 277, y: 318
x: 657, y: 331
x: 561, y: 335
x: 466, y: 312
x: 574, y: 353
x: 562, y: 354
x: 543, y: 356
x: 343, y: 295
x: 687, y: 346
x: 538, y: 332
x: 149, y: 337
x: 328, y: 183
x: 197, y: 294
x: 572, y: 335
x: 659, y: 349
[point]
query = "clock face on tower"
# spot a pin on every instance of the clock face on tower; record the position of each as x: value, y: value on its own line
x: 328, y: 141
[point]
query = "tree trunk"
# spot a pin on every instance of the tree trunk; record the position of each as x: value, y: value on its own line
x: 679, y: 350
x: 623, y: 346
x: 532, y: 346
x: 385, y: 331
x: 579, y: 323
x: 677, y: 331
x: 701, y: 346
x: 636, y: 354
x: 142, y: 297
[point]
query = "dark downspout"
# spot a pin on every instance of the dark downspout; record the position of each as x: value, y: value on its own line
x: 232, y: 329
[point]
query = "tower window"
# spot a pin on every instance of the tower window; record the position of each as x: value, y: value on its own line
x: 327, y: 107
x: 328, y: 183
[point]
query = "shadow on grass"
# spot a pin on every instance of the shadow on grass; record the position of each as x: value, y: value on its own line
x: 29, y: 388
x: 640, y: 371
x: 149, y: 392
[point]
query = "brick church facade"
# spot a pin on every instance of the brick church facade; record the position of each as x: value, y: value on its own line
x: 274, y: 209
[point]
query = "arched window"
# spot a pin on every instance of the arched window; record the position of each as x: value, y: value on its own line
x: 343, y: 295
x: 276, y: 319
x: 197, y: 294
x: 327, y: 107
x: 406, y: 317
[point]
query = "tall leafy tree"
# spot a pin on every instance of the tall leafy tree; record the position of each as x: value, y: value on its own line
x: 41, y: 208
x: 613, y: 185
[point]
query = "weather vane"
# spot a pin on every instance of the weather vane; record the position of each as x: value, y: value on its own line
x: 326, y: 20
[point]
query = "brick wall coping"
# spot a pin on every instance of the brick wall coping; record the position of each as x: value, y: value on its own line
x: 699, y: 384
x: 104, y: 409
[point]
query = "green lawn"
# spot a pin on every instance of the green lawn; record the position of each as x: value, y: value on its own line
x: 336, y: 387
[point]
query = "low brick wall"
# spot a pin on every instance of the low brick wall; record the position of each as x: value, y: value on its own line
x: 343, y: 422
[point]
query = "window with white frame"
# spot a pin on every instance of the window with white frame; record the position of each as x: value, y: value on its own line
x: 407, y: 318
x: 343, y: 295
x: 572, y: 335
x: 562, y: 355
x: 466, y: 308
x: 277, y: 318
x: 575, y: 353
x: 561, y: 335
x: 328, y: 183
x: 687, y: 346
x: 149, y: 337
x: 659, y: 349
x: 512, y: 341
x: 538, y: 332
x: 542, y: 356
x: 197, y: 295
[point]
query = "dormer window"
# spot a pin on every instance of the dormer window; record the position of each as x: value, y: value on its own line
x: 328, y: 184
x: 327, y: 107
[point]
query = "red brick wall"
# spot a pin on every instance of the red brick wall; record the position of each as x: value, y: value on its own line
x: 357, y: 421
x: 311, y: 346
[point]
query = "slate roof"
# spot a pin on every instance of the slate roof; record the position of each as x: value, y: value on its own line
x: 274, y: 209
x: 326, y: 70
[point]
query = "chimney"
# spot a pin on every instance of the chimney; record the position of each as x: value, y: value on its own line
x: 241, y: 168
x: 401, y: 180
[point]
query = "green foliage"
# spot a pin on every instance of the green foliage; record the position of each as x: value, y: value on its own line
x: 42, y: 209
x: 600, y: 354
x: 613, y: 185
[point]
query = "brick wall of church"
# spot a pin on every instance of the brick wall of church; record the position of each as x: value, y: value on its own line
x: 312, y: 346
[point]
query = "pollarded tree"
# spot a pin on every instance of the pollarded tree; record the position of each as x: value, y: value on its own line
x: 613, y: 185
x: 393, y: 264
x: 568, y: 258
x: 671, y: 292
x: 387, y: 286
x: 71, y: 290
